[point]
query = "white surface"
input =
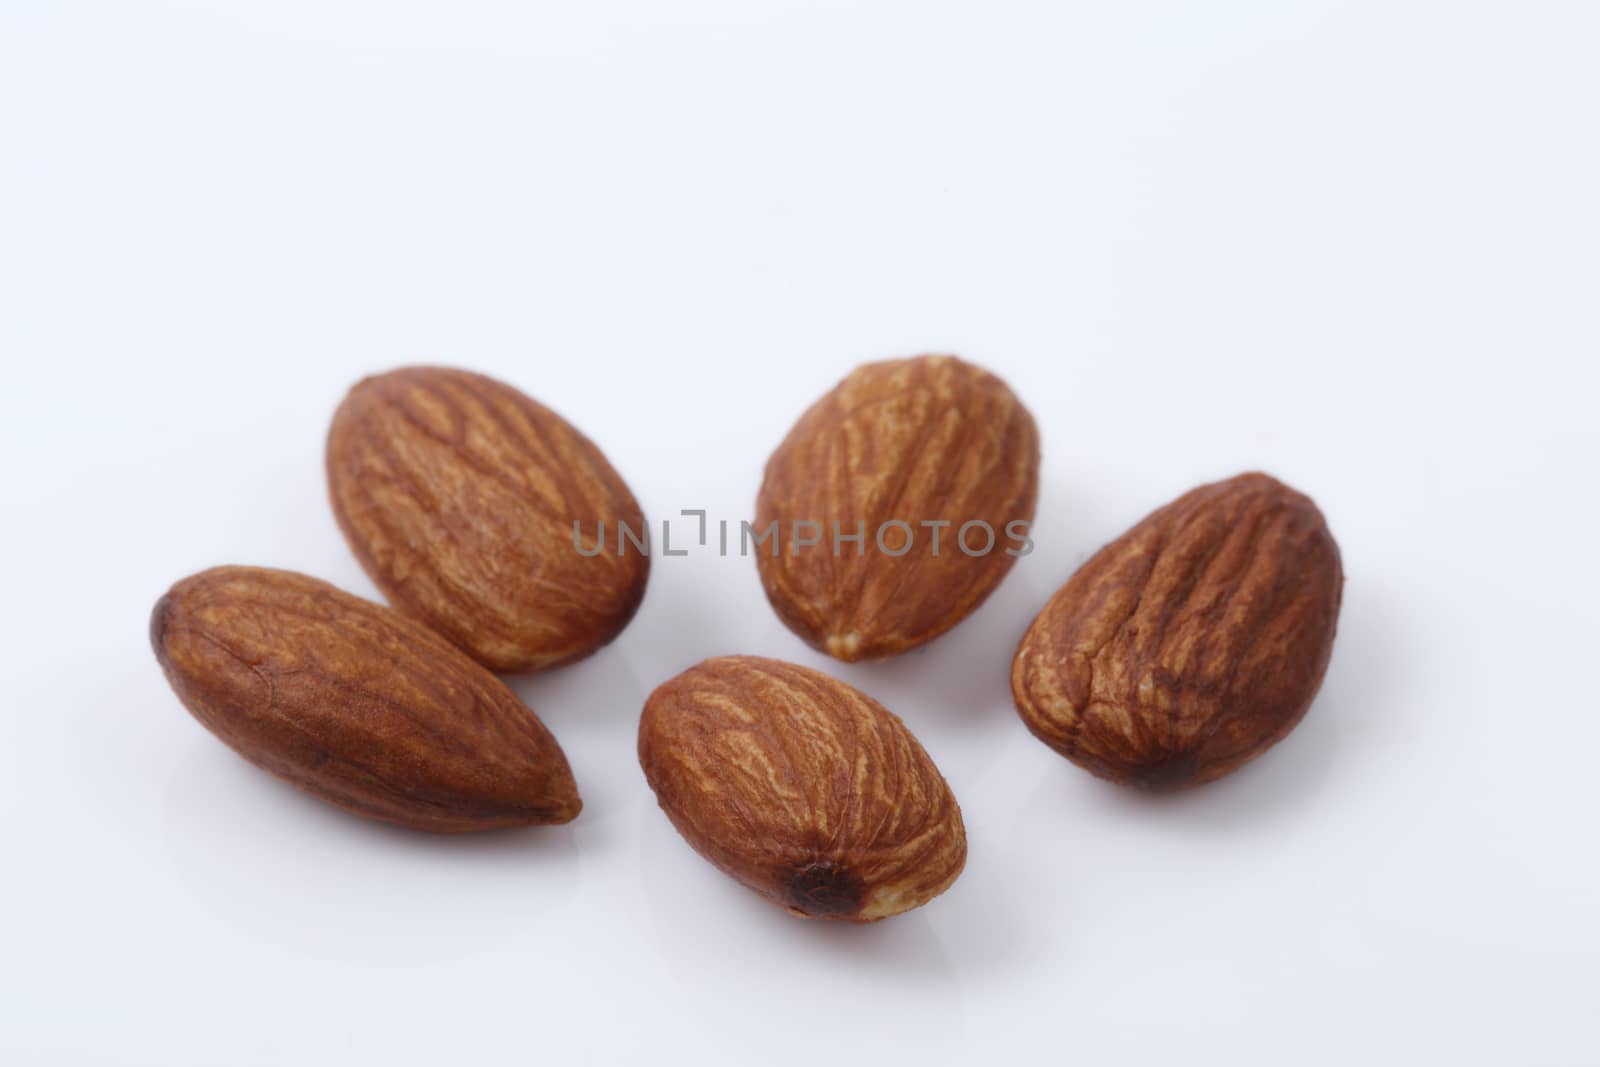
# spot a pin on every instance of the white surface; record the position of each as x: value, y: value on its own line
x: 1354, y: 244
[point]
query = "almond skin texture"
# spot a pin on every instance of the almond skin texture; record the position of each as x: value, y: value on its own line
x: 356, y: 704
x: 805, y: 790
x: 919, y: 440
x: 1192, y: 643
x: 458, y: 495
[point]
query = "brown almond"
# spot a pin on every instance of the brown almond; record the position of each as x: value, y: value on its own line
x: 802, y: 788
x: 356, y: 704
x: 895, y: 449
x: 467, y: 503
x: 1192, y: 643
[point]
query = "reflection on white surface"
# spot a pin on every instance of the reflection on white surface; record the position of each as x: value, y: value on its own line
x: 307, y: 878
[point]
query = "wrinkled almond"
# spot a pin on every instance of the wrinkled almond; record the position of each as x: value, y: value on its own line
x: 802, y: 788
x: 465, y: 500
x: 1192, y: 643
x: 917, y: 480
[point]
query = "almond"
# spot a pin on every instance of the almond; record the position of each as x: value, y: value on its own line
x: 805, y: 790
x: 1192, y: 643
x: 467, y: 503
x: 932, y: 465
x: 356, y: 704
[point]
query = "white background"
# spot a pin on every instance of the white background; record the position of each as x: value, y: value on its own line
x: 1354, y: 244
